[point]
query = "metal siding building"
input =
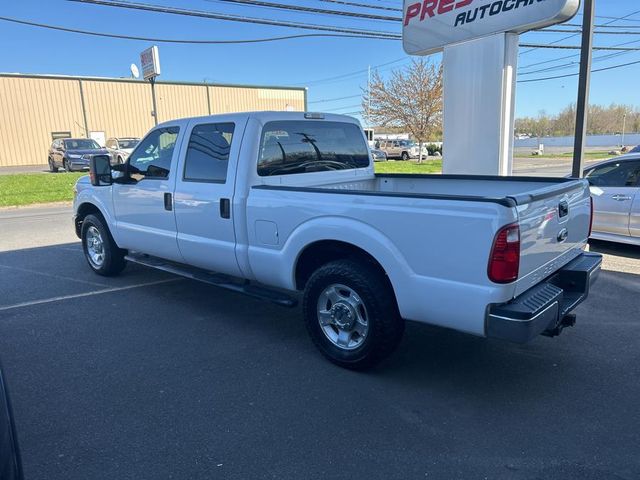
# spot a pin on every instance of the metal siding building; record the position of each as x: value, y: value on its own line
x: 34, y: 108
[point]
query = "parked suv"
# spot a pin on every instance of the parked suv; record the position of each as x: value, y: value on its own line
x: 121, y: 148
x: 404, y: 149
x: 73, y: 153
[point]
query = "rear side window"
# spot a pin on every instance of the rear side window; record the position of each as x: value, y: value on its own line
x: 291, y: 147
x: 208, y: 152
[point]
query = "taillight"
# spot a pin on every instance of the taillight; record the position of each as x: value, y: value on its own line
x: 504, y: 260
x: 591, y: 218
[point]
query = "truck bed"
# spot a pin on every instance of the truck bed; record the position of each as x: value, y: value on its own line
x: 534, y: 203
x: 510, y: 191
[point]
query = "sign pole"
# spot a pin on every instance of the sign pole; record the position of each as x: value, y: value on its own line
x: 583, y: 89
x: 150, y: 61
x: 479, y: 105
x: 152, y: 81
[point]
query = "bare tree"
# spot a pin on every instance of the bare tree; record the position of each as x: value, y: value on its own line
x: 410, y: 99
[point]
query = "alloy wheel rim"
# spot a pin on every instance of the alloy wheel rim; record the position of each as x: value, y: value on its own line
x: 95, y: 247
x: 343, y: 316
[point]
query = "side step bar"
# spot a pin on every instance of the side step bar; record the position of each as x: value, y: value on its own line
x: 216, y: 279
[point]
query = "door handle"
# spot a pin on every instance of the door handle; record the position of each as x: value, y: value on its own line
x: 225, y: 208
x: 620, y: 197
x: 168, y: 202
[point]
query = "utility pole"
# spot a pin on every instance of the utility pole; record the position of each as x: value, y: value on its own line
x: 583, y: 89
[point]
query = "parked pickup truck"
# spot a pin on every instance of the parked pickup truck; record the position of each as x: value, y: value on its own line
x: 275, y: 203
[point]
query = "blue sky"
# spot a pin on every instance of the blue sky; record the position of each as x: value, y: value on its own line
x: 311, y: 62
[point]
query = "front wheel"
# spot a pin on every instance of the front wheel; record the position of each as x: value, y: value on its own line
x: 405, y: 156
x: 102, y: 254
x: 351, y: 314
x: 65, y: 165
x: 52, y: 166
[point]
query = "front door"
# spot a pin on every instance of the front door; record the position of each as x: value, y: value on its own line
x: 204, y: 194
x: 145, y: 220
x: 613, y: 188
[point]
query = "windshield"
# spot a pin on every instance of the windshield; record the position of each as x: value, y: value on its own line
x: 407, y: 143
x: 131, y: 143
x: 80, y: 143
x: 635, y: 149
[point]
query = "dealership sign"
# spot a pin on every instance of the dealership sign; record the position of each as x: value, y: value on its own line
x: 150, y: 62
x: 430, y: 25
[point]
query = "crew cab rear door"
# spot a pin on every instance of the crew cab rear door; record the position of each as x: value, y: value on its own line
x: 204, y: 193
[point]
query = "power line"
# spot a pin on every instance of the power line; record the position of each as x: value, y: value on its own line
x: 326, y: 100
x: 577, y: 47
x: 238, y: 18
x: 576, y: 74
x: 337, y: 77
x: 365, y: 5
x: 601, y: 32
x: 617, y: 18
x: 341, y: 108
x: 570, y: 56
x: 614, y: 19
x: 298, y: 8
x: 166, y: 40
x: 600, y: 26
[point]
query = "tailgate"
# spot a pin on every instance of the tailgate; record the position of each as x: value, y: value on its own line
x: 554, y: 227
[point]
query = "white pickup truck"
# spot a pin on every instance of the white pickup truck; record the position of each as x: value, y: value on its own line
x: 275, y: 203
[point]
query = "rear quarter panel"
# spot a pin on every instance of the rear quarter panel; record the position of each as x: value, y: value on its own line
x: 435, y: 252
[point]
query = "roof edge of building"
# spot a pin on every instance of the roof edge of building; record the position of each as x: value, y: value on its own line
x: 50, y: 76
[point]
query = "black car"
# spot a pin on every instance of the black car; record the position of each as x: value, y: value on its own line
x: 635, y: 149
x: 10, y: 462
x: 73, y: 153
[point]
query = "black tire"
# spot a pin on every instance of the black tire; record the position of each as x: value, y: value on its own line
x: 52, y: 166
x: 405, y: 156
x: 119, y: 160
x: 385, y: 326
x: 65, y: 165
x: 113, y: 261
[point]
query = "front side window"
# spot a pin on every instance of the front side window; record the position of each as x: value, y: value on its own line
x: 152, y: 158
x: 208, y: 152
x: 615, y: 174
x: 303, y: 146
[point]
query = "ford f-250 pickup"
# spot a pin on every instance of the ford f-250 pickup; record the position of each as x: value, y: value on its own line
x: 274, y: 203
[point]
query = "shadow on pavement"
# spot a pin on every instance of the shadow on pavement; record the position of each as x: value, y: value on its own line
x: 181, y: 380
x: 612, y: 248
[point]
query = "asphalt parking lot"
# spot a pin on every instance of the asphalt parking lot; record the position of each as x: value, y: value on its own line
x: 147, y: 376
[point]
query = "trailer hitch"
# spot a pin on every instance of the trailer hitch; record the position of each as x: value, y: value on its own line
x: 569, y: 320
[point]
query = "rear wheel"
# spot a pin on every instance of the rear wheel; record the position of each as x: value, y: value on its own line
x: 102, y: 254
x: 52, y: 166
x: 351, y: 314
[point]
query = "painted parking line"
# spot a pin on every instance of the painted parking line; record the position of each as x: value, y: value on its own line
x: 53, y: 275
x: 87, y: 294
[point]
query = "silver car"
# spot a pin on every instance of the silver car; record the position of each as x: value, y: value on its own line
x: 615, y: 189
x: 121, y: 148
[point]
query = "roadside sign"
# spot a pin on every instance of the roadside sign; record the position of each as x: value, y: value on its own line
x: 430, y: 25
x: 150, y: 62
